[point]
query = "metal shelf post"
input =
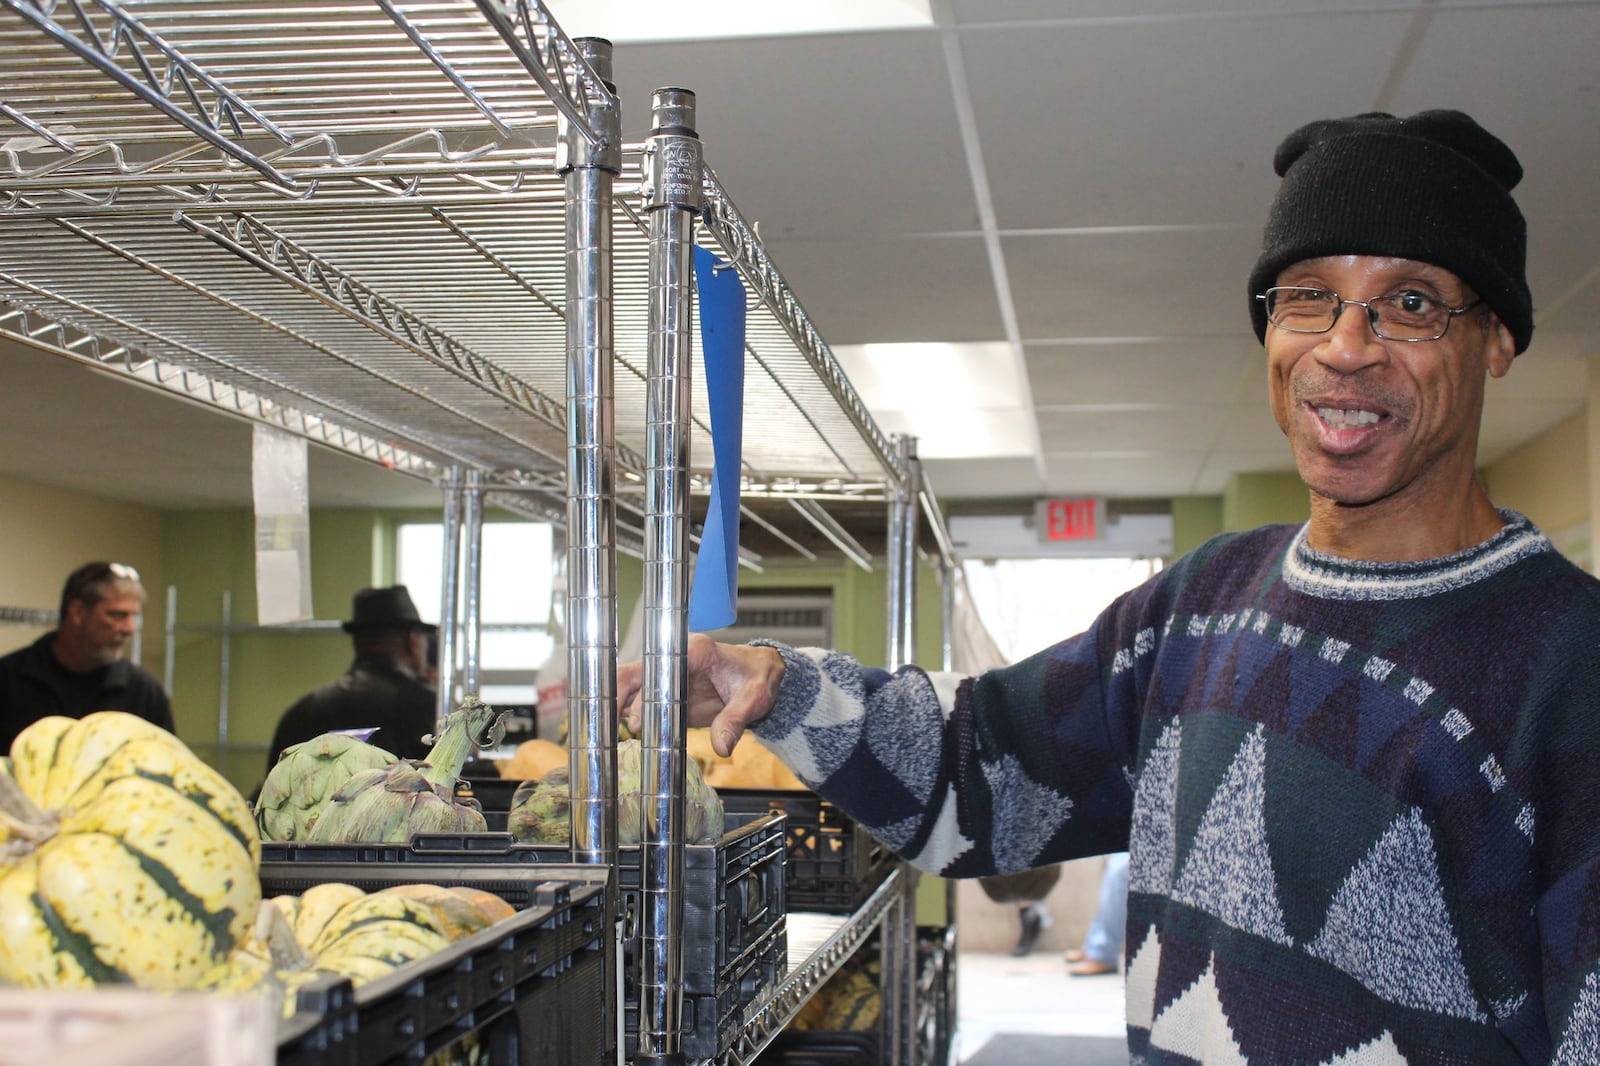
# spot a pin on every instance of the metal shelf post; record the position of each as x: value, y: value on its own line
x: 899, y: 943
x: 449, y: 594
x: 590, y: 158
x: 672, y: 193
x: 472, y: 566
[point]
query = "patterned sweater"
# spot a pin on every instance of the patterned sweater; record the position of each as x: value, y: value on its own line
x: 1362, y: 800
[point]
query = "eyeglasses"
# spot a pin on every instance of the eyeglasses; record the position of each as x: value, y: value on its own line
x: 89, y: 583
x: 1403, y: 316
x: 91, y: 574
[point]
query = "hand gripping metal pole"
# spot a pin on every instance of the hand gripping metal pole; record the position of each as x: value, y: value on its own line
x: 590, y: 158
x: 672, y: 194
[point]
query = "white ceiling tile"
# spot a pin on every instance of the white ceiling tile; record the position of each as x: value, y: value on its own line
x: 1221, y: 466
x: 1141, y: 429
x: 1162, y: 283
x: 1249, y: 427
x: 1511, y: 423
x: 863, y: 291
x: 1168, y: 370
x: 1153, y: 476
x: 1559, y: 344
x: 1541, y: 375
x: 836, y: 136
x: 1564, y: 272
x: 954, y: 479
x: 1551, y: 53
x: 1161, y: 121
x: 1143, y: 11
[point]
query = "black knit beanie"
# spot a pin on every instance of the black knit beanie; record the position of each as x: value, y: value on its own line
x: 1435, y: 187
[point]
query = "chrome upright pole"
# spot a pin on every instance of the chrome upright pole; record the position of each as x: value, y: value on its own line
x: 590, y: 169
x: 449, y: 596
x: 673, y: 196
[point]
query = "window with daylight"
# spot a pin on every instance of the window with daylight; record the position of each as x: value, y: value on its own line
x: 1029, y: 604
x: 517, y: 585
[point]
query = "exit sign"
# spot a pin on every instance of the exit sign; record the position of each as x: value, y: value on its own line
x: 1064, y: 520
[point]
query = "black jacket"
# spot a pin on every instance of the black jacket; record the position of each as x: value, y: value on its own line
x: 374, y: 692
x: 34, y: 685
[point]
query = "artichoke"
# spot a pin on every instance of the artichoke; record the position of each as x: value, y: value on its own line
x: 391, y: 803
x: 541, y: 811
x: 305, y: 776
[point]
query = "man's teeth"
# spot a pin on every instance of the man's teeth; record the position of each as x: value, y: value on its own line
x: 1346, y: 419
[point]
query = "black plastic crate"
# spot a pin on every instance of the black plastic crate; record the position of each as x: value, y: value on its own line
x: 712, y: 1021
x: 833, y: 864
x: 492, y: 793
x: 794, y: 1047
x: 527, y: 987
x: 734, y: 931
x: 733, y: 890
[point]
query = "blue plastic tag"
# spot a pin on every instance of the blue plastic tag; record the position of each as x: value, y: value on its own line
x: 715, y: 587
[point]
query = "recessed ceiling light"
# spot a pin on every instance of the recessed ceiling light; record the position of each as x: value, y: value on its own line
x: 637, y: 20
x: 964, y: 401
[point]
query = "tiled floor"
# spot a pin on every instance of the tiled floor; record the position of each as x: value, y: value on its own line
x: 1001, y: 994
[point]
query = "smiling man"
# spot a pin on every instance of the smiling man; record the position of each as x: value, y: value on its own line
x: 1392, y: 278
x: 79, y: 667
x: 1355, y: 762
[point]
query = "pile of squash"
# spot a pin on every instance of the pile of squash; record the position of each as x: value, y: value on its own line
x: 338, y: 928
x: 750, y: 766
x: 850, y: 1001
x: 126, y: 860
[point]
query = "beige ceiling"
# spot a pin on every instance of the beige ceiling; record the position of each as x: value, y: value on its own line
x: 1081, y: 179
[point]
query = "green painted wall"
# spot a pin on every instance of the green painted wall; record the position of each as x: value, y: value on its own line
x: 1195, y: 520
x: 1252, y: 500
x: 861, y: 605
x: 47, y: 533
x: 212, y: 553
x: 1547, y: 479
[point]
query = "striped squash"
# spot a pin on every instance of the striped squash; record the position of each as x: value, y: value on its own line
x: 125, y: 859
x: 372, y: 935
x: 856, y: 1006
x: 455, y: 915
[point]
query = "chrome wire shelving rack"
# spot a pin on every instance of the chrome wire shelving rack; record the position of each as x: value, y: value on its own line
x: 347, y: 219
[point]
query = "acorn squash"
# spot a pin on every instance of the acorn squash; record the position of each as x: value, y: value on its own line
x: 124, y: 859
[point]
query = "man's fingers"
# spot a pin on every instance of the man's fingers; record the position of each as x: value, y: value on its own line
x: 724, y: 736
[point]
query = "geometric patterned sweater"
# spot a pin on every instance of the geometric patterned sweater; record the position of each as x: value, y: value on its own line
x: 1361, y: 800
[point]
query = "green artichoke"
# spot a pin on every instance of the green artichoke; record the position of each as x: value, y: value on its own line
x: 392, y: 803
x: 305, y: 776
x: 541, y: 811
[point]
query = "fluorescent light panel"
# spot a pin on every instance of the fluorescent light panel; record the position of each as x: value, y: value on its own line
x: 961, y: 401
x: 637, y: 20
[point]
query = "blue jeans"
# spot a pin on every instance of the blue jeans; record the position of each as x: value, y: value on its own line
x: 1106, y: 931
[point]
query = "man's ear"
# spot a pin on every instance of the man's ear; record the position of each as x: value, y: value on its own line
x: 1502, y: 348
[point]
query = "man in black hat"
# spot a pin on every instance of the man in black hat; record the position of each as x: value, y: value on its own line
x: 382, y: 691
x: 1355, y: 762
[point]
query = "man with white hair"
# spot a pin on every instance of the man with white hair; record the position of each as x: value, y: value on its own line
x: 79, y: 667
